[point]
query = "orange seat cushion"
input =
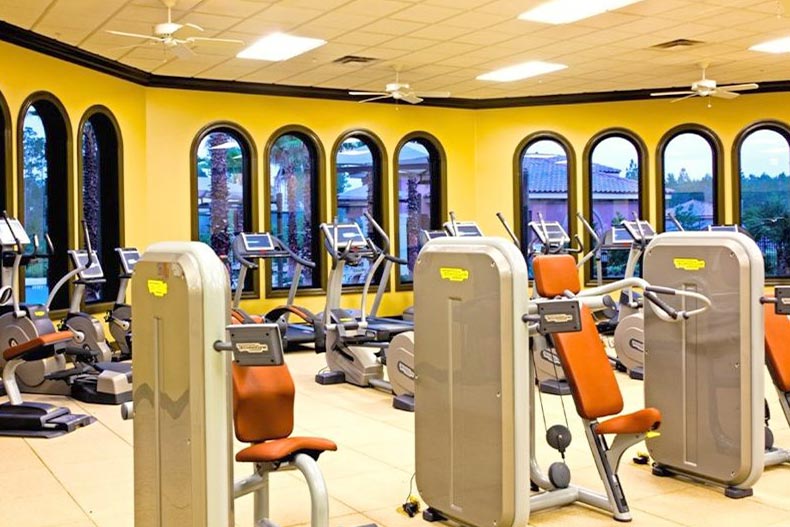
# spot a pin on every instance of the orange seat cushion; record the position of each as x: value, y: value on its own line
x: 587, y: 369
x: 635, y: 423
x: 283, y: 449
x: 48, y: 339
x: 555, y: 274
x: 777, y: 347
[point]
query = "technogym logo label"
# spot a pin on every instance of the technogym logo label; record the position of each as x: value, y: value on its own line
x: 454, y: 274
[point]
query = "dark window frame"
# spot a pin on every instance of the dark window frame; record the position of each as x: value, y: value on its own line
x: 60, y: 219
x: 6, y: 155
x: 518, y: 203
x: 318, y: 186
x: 717, y: 151
x: 249, y: 173
x: 773, y: 125
x: 111, y: 166
x: 438, y: 162
x: 587, y: 163
x: 381, y: 190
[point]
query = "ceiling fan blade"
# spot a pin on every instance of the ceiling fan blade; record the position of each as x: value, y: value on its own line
x: 410, y: 97
x: 724, y: 94
x: 689, y: 96
x: 368, y: 93
x: 216, y: 40
x: 193, y: 26
x: 740, y: 87
x: 672, y: 93
x: 134, y: 35
x: 385, y: 96
x: 182, y: 51
x: 433, y: 94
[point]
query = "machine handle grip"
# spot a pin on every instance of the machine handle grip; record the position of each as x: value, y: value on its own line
x: 510, y: 232
x: 663, y: 306
x: 385, y: 241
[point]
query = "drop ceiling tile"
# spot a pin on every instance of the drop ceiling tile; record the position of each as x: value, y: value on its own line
x: 476, y: 20
x: 426, y: 13
x: 485, y: 37
x: 439, y: 32
x: 347, y: 21
x: 376, y: 8
x: 394, y: 27
x: 237, y: 8
x: 409, y: 43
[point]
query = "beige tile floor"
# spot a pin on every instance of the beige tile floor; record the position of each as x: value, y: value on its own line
x: 86, y: 478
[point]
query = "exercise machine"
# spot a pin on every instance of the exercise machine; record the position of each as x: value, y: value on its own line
x: 249, y: 248
x: 777, y: 358
x: 119, y: 318
x: 355, y: 352
x: 706, y: 373
x: 475, y: 422
x: 184, y: 403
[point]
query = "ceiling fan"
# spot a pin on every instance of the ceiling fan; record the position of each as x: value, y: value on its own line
x: 164, y: 33
x: 706, y: 87
x: 400, y: 91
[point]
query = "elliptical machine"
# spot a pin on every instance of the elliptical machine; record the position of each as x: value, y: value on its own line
x: 248, y: 248
x: 119, y: 318
x: 353, y: 353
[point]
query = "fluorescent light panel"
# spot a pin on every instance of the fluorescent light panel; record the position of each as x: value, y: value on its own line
x: 779, y: 45
x: 280, y: 46
x: 567, y: 11
x: 524, y: 70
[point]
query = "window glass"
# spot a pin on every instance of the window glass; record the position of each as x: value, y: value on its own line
x: 358, y: 190
x: 764, y: 157
x: 294, y: 207
x: 224, y: 198
x: 36, y: 171
x: 418, y: 200
x: 544, y: 185
x: 615, y: 173
x: 689, y: 182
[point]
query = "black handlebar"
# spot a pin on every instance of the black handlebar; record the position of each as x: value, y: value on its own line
x: 651, y: 295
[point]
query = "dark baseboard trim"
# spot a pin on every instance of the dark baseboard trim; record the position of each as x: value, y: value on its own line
x: 54, y: 48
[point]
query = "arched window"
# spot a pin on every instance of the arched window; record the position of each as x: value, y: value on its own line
x: 614, y: 162
x: 689, y: 158
x: 359, y: 170
x: 101, y: 164
x: 45, y: 161
x: 420, y: 168
x: 295, y: 168
x: 763, y: 162
x: 223, y: 159
x: 545, y: 165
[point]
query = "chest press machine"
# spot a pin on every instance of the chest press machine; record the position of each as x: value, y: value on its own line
x: 184, y: 402
x: 475, y: 448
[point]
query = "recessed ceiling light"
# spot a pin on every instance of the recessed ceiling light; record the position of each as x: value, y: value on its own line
x: 280, y: 46
x: 779, y: 45
x: 567, y: 11
x: 524, y: 70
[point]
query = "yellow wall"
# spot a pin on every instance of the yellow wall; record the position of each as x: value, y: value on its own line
x: 158, y: 127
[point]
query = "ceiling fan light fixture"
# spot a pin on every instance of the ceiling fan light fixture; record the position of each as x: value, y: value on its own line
x: 521, y: 71
x: 278, y: 47
x: 568, y: 11
x: 779, y: 45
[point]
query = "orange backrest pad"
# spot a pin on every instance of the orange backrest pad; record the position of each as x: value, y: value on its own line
x: 587, y: 369
x: 555, y: 274
x: 263, y: 403
x: 777, y: 347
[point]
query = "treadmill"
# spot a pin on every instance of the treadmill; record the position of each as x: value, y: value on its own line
x: 248, y: 248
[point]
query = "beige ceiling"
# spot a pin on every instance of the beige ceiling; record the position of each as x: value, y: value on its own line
x: 437, y: 44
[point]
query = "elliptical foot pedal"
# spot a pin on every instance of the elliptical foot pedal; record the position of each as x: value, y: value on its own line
x: 555, y: 387
x: 330, y: 377
x: 432, y: 515
x: 661, y: 471
x: 638, y: 374
x: 736, y: 493
x: 403, y: 402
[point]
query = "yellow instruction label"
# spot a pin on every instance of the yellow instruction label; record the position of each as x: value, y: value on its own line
x: 39, y: 313
x: 689, y: 264
x: 158, y: 288
x: 454, y: 274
